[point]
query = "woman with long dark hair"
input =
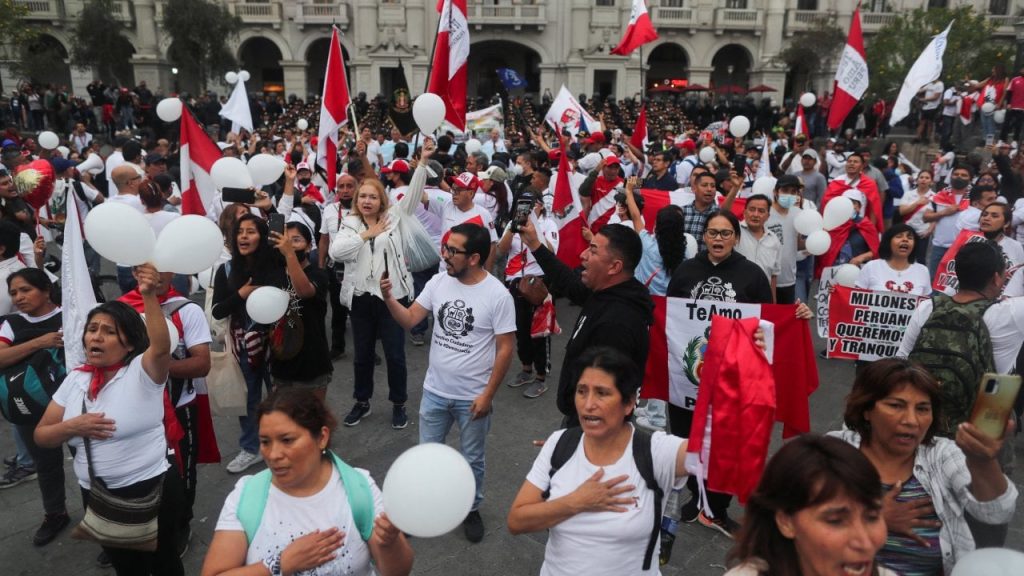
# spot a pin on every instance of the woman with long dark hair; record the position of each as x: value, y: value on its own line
x: 254, y: 263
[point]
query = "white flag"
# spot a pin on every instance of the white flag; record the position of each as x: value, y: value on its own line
x: 237, y: 110
x: 925, y: 70
x: 77, y: 297
x: 566, y: 113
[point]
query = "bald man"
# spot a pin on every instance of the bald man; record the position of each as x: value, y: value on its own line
x: 126, y: 179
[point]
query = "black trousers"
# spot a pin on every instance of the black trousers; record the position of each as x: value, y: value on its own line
x: 530, y: 350
x: 50, y: 470
x: 339, y: 313
x: 680, y: 421
x: 785, y: 294
x: 188, y: 452
x: 164, y: 561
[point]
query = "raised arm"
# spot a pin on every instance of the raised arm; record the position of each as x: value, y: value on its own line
x: 156, y: 360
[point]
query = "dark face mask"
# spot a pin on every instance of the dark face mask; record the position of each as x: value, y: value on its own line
x: 958, y: 183
x: 304, y: 181
x: 346, y: 203
x: 301, y: 255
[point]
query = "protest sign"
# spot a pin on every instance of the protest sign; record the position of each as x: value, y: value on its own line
x: 828, y: 280
x: 867, y: 325
x: 945, y: 277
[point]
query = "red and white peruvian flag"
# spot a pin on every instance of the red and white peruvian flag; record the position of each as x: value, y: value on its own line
x: 568, y: 214
x: 448, y: 72
x: 851, y: 77
x: 640, y: 31
x: 639, y: 137
x: 801, y: 122
x: 333, y: 111
x: 198, y: 153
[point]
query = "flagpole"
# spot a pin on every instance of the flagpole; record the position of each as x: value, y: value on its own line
x: 643, y: 82
x: 426, y: 84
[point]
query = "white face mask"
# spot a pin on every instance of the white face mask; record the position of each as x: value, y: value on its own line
x: 516, y: 170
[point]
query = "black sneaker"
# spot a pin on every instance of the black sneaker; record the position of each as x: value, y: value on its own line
x: 52, y: 525
x: 103, y: 561
x: 337, y: 353
x: 10, y: 461
x: 16, y: 475
x: 359, y: 411
x: 689, y: 512
x: 399, y: 419
x: 184, y: 539
x: 473, y: 526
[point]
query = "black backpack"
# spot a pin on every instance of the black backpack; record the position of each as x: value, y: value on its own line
x: 566, y: 447
x: 27, y: 386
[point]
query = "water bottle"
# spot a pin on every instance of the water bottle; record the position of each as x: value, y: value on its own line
x: 669, y: 525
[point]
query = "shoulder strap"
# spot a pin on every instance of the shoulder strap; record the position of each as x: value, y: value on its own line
x: 645, y: 464
x: 564, y: 449
x: 360, y: 498
x: 252, y: 502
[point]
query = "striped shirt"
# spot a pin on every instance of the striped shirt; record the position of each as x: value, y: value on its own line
x: 905, y: 555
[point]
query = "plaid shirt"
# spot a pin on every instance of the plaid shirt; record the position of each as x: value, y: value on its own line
x: 941, y: 468
x: 695, y: 222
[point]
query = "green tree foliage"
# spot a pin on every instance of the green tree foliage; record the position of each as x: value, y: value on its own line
x: 970, y: 53
x: 811, y: 50
x: 99, y: 43
x: 12, y: 25
x: 199, y: 31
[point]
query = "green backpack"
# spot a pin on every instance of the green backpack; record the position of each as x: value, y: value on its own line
x: 357, y: 489
x: 955, y: 346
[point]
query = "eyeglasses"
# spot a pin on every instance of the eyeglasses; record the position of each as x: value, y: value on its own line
x: 723, y: 234
x: 452, y: 250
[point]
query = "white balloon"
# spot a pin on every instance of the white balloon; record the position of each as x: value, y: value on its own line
x: 707, y: 154
x: 988, y: 108
x: 48, y: 140
x: 428, y: 490
x: 847, y: 275
x: 231, y: 77
x: 230, y: 173
x: 172, y: 331
x: 265, y: 169
x: 267, y: 304
x: 64, y: 151
x: 428, y: 111
x: 818, y: 242
x: 120, y: 233
x: 808, y: 99
x: 473, y: 145
x: 302, y: 124
x: 243, y: 76
x: 808, y: 222
x: 837, y: 212
x: 999, y: 116
x: 169, y: 109
x: 739, y: 126
x: 188, y: 245
x: 990, y: 562
x: 764, y: 185
x: 206, y: 277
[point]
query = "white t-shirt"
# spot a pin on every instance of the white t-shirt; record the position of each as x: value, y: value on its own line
x: 604, y: 542
x: 451, y: 216
x: 1013, y: 252
x: 518, y: 253
x: 463, y: 348
x: 8, y: 267
x: 115, y: 159
x: 286, y: 518
x: 1018, y: 219
x: 138, y: 450
x: 953, y: 108
x: 916, y: 220
x: 196, y: 333
x: 1005, y: 321
x: 946, y: 227
x: 969, y: 219
x: 7, y: 335
x: 932, y: 90
x: 330, y: 223
x: 784, y: 229
x: 879, y: 276
x: 130, y: 200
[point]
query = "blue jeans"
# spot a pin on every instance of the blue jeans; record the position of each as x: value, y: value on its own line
x: 419, y: 280
x: 371, y: 320
x: 935, y: 258
x: 437, y: 415
x: 988, y: 125
x: 804, y: 277
x: 24, y: 457
x: 256, y: 380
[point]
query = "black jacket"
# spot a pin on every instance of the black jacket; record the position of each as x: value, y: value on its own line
x: 618, y: 317
x: 735, y: 279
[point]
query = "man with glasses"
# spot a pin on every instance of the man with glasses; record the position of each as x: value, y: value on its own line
x: 659, y: 177
x: 330, y: 223
x: 472, y: 346
x: 461, y: 209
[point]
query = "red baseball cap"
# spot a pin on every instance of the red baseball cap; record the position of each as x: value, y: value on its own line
x: 687, y: 145
x: 466, y: 181
x: 555, y: 154
x: 611, y: 160
x: 400, y: 166
x: 596, y: 138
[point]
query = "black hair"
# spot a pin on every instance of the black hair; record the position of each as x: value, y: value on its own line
x: 885, y: 246
x: 10, y: 238
x: 670, y: 233
x: 444, y: 143
x: 302, y: 406
x: 34, y: 277
x: 265, y: 266
x: 975, y: 194
x: 303, y: 231
x: 962, y: 166
x: 164, y: 181
x: 617, y: 364
x: 694, y: 178
x: 131, y: 330
x: 401, y: 150
x: 132, y: 151
x: 977, y: 262
x: 478, y: 239
x: 728, y: 215
x: 625, y: 243
x: 761, y: 197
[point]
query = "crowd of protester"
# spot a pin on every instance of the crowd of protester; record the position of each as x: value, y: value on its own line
x: 460, y: 248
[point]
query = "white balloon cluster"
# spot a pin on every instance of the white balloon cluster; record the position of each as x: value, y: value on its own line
x: 48, y: 140
x: 169, y: 109
x: 428, y: 490
x: 739, y: 126
x: 808, y: 99
x: 816, y: 226
x: 233, y: 77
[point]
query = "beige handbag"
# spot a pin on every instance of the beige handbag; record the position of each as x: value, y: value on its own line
x: 226, y: 384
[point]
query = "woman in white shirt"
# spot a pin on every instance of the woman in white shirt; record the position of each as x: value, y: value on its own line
x: 115, y: 401
x: 912, y: 207
x: 370, y: 243
x: 297, y: 517
x: 895, y: 269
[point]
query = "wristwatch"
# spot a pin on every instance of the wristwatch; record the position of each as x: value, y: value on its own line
x: 273, y: 563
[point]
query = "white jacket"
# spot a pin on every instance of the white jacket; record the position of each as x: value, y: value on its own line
x: 364, y: 260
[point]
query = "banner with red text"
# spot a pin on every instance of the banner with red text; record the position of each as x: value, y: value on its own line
x: 867, y: 325
x: 945, y: 277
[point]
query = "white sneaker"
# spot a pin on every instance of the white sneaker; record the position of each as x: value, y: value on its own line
x: 243, y: 461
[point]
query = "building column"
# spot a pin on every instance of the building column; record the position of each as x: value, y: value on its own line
x: 294, y: 77
x: 80, y: 79
x: 1018, y: 33
x: 700, y: 75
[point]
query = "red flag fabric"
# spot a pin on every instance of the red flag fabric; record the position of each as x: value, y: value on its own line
x: 801, y: 122
x: 333, y: 111
x: 448, y: 75
x: 851, y: 79
x: 602, y: 195
x: 568, y: 213
x: 867, y: 230
x: 639, y: 137
x: 670, y: 376
x: 945, y: 276
x: 198, y: 153
x: 732, y: 421
x: 639, y: 31
x: 866, y: 186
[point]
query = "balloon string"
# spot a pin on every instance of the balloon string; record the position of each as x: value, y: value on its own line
x: 39, y: 227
